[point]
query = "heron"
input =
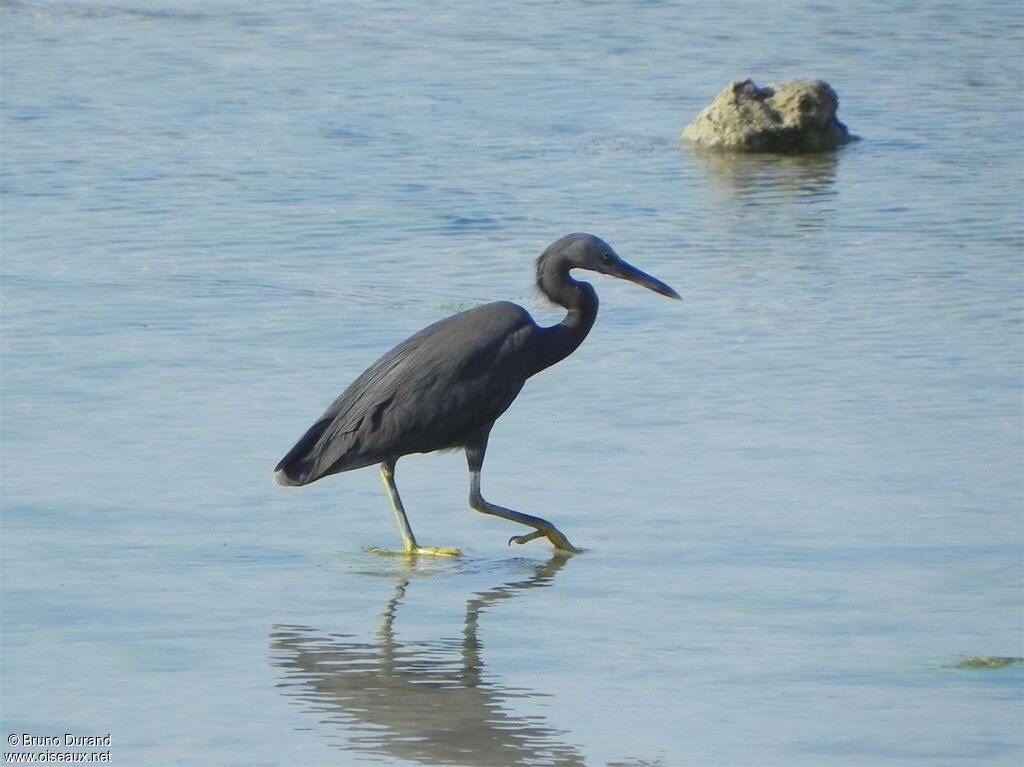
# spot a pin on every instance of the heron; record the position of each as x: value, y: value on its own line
x: 445, y: 386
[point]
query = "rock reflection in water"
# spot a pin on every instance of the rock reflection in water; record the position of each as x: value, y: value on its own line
x: 743, y: 175
x: 428, y: 702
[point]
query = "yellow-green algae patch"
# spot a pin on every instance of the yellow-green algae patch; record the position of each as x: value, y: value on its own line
x: 988, y: 661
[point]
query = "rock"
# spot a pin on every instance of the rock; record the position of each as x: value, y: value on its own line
x: 795, y: 116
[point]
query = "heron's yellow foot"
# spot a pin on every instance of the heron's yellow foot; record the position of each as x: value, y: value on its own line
x: 415, y: 551
x: 521, y: 539
x: 557, y: 538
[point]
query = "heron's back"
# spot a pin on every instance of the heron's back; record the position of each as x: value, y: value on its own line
x: 434, y: 391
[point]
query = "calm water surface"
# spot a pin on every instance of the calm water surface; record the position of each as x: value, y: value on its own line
x: 800, y: 488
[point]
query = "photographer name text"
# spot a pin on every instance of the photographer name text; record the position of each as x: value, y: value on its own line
x: 67, y: 740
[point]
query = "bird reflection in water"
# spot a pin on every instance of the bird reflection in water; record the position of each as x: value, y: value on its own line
x: 427, y: 702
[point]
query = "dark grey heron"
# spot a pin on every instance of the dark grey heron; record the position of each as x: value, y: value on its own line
x: 444, y: 387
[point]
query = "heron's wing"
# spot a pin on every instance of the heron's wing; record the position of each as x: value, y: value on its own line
x: 430, y: 392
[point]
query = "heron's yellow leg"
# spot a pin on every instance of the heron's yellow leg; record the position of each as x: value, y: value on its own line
x: 409, y: 546
x: 541, y: 527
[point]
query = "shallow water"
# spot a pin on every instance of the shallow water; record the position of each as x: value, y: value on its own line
x: 800, y: 488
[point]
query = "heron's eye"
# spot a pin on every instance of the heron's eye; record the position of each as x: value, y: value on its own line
x: 607, y: 258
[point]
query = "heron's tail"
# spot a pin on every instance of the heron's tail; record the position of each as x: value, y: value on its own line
x: 297, y: 468
x: 281, y: 478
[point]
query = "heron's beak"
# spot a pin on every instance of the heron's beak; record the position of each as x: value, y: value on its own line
x: 631, y: 273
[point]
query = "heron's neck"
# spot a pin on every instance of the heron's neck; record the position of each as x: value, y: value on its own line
x: 579, y: 298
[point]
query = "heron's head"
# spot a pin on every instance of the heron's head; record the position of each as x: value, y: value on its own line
x: 585, y: 251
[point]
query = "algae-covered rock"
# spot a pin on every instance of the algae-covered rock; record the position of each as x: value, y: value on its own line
x: 795, y: 116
